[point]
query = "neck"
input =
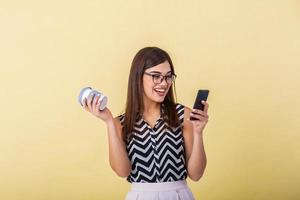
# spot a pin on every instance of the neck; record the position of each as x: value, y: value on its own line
x: 151, y: 108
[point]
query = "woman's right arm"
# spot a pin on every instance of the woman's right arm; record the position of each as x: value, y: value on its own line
x: 118, y: 157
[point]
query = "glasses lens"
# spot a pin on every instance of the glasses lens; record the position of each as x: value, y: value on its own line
x: 169, y: 78
x: 156, y: 78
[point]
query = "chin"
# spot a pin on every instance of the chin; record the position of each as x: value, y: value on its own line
x: 159, y: 100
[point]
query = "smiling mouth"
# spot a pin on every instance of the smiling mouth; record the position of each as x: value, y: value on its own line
x: 160, y: 91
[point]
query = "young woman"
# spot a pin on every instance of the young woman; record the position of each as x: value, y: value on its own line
x: 154, y: 144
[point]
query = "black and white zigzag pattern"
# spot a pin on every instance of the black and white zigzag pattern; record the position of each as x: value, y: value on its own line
x: 157, y: 154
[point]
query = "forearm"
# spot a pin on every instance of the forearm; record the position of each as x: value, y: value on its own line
x: 118, y: 157
x: 197, y: 161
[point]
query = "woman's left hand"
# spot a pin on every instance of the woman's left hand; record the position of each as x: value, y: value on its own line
x: 201, y: 118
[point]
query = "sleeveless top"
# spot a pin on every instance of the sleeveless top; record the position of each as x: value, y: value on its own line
x: 156, y: 154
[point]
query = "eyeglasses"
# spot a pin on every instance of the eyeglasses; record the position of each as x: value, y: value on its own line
x: 158, y: 78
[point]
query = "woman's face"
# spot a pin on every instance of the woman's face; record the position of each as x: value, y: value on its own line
x: 157, y: 81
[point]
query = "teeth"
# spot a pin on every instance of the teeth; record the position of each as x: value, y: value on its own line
x: 160, y: 90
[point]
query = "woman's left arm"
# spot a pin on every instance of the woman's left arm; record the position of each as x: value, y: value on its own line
x: 193, y: 139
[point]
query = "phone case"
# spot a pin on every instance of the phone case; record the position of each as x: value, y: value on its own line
x: 201, y: 95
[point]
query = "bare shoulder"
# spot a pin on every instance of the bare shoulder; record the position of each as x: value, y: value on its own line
x: 187, y: 111
x: 117, y: 122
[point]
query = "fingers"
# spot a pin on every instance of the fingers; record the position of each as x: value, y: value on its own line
x: 205, y: 109
x: 206, y: 105
x: 199, y: 117
x: 90, y: 102
x: 84, y: 104
x: 96, y: 102
x: 199, y: 114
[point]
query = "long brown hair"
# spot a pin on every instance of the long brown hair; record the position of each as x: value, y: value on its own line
x: 146, y: 58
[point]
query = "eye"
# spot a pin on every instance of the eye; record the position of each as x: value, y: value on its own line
x: 156, y: 76
x: 169, y: 77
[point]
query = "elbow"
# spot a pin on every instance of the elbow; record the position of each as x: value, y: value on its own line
x: 122, y: 171
x: 196, y: 172
x: 196, y: 177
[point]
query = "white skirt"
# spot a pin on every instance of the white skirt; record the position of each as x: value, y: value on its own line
x: 177, y: 190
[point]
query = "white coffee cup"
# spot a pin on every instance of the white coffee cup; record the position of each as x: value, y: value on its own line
x: 85, y: 92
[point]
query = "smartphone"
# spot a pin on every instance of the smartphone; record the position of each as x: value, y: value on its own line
x: 201, y: 95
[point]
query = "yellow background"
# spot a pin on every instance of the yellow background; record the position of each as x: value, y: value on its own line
x: 245, y: 52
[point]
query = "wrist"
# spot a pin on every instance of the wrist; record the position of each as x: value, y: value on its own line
x: 109, y: 121
x: 198, y: 134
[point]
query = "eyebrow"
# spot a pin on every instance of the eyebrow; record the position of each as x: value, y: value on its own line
x: 157, y: 72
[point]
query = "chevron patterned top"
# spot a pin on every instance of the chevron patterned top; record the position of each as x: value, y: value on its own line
x: 157, y: 154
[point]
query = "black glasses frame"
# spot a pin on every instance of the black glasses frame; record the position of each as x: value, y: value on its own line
x: 161, y: 78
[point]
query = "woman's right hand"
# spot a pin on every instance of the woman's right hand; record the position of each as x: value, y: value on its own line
x: 90, y: 104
